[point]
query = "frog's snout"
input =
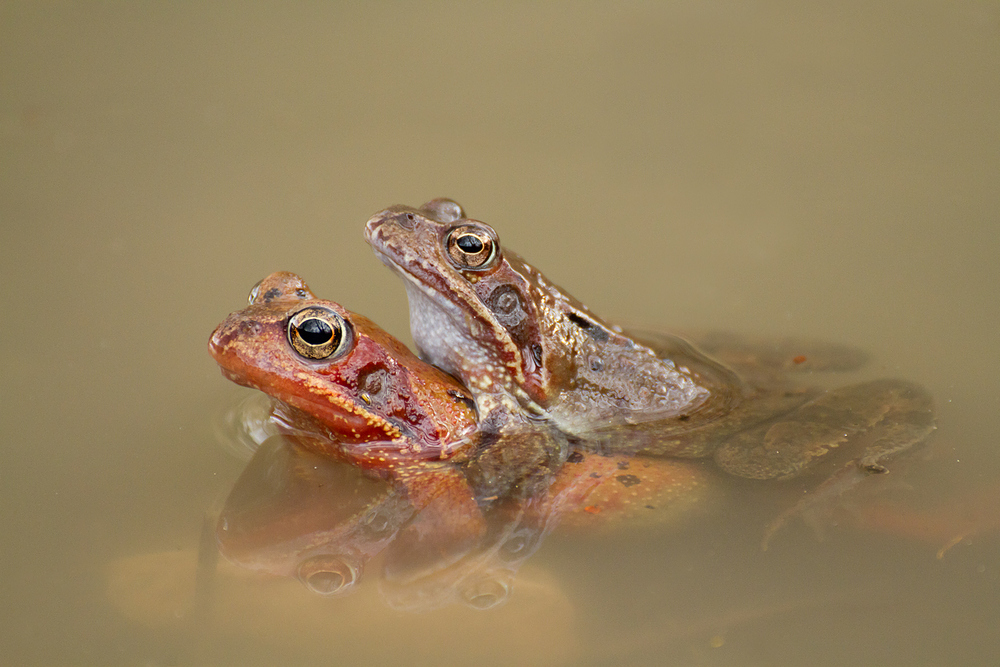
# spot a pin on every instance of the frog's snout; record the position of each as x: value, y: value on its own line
x: 232, y: 331
x: 394, y: 216
x: 220, y: 340
x: 226, y: 345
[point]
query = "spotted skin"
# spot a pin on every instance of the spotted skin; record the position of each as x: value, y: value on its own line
x: 529, y: 351
x: 374, y: 399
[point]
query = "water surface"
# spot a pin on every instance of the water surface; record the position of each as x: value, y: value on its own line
x: 826, y: 172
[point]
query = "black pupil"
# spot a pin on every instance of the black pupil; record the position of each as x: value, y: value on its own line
x: 315, y: 332
x: 469, y: 243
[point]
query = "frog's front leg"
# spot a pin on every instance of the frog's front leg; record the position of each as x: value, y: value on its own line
x: 876, y: 419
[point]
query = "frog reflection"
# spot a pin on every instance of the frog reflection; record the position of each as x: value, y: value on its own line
x: 293, y: 513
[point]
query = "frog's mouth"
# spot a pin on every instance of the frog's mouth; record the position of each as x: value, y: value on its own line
x: 237, y: 378
x: 218, y: 347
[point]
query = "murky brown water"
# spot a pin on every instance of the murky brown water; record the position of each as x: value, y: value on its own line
x: 828, y: 172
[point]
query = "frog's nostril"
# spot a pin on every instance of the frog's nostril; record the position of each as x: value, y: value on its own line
x: 217, y: 342
x: 389, y: 219
x: 402, y: 219
x: 228, y: 332
x: 405, y: 220
x: 247, y: 329
x: 374, y: 224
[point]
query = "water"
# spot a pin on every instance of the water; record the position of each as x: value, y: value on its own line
x: 826, y: 172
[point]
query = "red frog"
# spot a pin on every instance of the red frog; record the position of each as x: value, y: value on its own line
x: 377, y: 402
x: 531, y: 353
x: 348, y: 390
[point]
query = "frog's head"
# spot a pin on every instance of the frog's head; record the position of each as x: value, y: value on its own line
x: 370, y: 393
x: 480, y: 311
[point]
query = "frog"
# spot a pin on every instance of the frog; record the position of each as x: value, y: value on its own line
x: 347, y: 390
x: 464, y: 505
x: 529, y: 351
x: 345, y: 373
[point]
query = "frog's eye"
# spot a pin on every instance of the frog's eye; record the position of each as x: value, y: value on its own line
x: 472, y: 247
x: 319, y: 333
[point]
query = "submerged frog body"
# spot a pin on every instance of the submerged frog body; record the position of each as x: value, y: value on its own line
x: 529, y: 351
x: 296, y: 514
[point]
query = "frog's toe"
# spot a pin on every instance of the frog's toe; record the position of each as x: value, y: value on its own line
x: 817, y: 508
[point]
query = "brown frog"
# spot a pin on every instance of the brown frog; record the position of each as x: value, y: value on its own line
x: 530, y: 352
x: 348, y: 390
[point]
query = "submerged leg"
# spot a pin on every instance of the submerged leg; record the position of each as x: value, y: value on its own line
x: 867, y: 422
x: 875, y: 419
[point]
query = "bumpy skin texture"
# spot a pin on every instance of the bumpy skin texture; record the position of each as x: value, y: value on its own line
x: 529, y: 351
x: 519, y: 341
x: 374, y: 397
